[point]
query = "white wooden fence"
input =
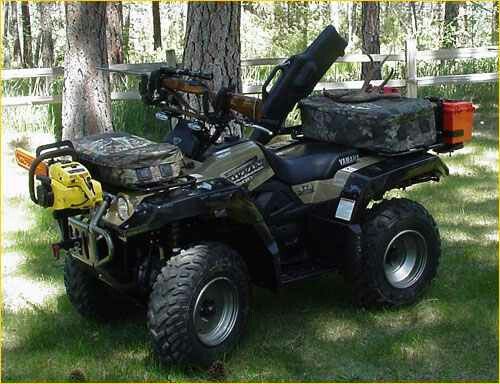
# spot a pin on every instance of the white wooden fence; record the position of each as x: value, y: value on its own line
x: 411, y: 57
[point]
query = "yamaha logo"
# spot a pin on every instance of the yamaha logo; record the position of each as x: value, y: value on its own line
x: 348, y: 160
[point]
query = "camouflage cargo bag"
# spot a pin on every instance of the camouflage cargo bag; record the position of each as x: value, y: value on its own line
x: 385, y: 125
x: 128, y: 161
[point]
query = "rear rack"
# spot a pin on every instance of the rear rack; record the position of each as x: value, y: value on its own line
x: 438, y: 148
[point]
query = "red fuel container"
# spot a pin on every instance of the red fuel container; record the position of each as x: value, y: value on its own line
x: 457, y: 121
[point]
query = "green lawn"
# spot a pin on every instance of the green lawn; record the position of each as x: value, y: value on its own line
x: 309, y: 332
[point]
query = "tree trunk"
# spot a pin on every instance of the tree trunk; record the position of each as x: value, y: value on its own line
x: 213, y: 41
x: 335, y: 14
x: 370, y: 16
x: 14, y: 32
x: 156, y: 25
x: 5, y: 20
x: 27, y: 41
x: 46, y: 40
x: 413, y: 19
x: 6, y: 28
x: 494, y: 24
x: 114, y: 29
x: 86, y: 93
x: 355, y: 22
x: 349, y: 23
x: 126, y: 33
x: 451, y: 10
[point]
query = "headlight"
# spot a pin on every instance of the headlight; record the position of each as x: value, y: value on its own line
x: 123, y: 208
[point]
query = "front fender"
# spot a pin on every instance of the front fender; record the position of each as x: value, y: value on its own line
x: 211, y: 198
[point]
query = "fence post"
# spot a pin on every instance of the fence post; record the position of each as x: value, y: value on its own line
x: 411, y: 68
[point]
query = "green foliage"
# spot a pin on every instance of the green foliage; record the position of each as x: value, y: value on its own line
x: 136, y: 118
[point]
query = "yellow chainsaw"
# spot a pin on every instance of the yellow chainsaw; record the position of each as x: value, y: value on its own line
x: 64, y: 184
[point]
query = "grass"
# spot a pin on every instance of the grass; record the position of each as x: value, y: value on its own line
x: 308, y: 332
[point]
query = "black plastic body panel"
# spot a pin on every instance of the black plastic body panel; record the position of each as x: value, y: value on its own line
x: 370, y: 183
x: 162, y: 208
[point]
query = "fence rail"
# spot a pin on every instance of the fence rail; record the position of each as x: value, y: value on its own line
x: 411, y: 57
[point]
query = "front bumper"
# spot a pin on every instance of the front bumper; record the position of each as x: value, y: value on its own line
x: 95, y: 246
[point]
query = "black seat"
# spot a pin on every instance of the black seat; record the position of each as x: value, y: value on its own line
x: 308, y: 161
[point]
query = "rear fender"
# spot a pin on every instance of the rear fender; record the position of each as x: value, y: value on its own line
x: 371, y: 183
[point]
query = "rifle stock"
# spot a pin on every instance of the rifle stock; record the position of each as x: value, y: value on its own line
x: 177, y: 84
x: 248, y: 106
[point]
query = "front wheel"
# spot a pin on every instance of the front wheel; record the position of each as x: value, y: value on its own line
x: 91, y: 297
x: 199, y: 305
x: 399, y: 256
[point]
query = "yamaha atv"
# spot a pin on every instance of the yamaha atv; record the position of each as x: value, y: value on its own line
x: 185, y: 226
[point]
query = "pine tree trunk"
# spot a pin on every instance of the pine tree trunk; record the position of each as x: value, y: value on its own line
x: 370, y: 16
x: 213, y: 41
x: 156, y: 25
x: 451, y: 10
x: 27, y: 41
x: 6, y: 28
x: 349, y: 23
x: 5, y: 20
x: 126, y: 33
x: 14, y: 32
x: 494, y: 25
x: 114, y: 29
x: 46, y: 40
x: 86, y: 93
x: 355, y: 22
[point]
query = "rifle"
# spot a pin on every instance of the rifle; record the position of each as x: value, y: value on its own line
x: 167, y: 82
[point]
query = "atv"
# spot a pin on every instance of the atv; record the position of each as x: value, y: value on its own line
x: 185, y: 226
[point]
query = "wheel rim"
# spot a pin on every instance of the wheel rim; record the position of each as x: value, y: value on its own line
x: 405, y: 259
x: 216, y: 311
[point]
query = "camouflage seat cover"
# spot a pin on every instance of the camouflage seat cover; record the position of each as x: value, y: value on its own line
x: 128, y: 161
x: 385, y: 125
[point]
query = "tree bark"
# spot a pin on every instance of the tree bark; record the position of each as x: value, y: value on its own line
x: 114, y: 30
x: 126, y: 33
x: 27, y: 41
x: 6, y: 28
x: 451, y: 10
x: 46, y: 40
x: 6, y: 20
x: 14, y: 32
x: 494, y: 24
x: 212, y: 41
x: 156, y: 25
x: 370, y: 16
x: 86, y: 94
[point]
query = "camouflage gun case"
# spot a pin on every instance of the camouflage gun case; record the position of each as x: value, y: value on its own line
x: 128, y: 161
x: 386, y: 125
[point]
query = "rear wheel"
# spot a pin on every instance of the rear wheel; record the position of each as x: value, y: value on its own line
x: 400, y: 254
x: 199, y: 305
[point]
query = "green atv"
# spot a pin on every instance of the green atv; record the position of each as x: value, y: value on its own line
x: 187, y: 225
